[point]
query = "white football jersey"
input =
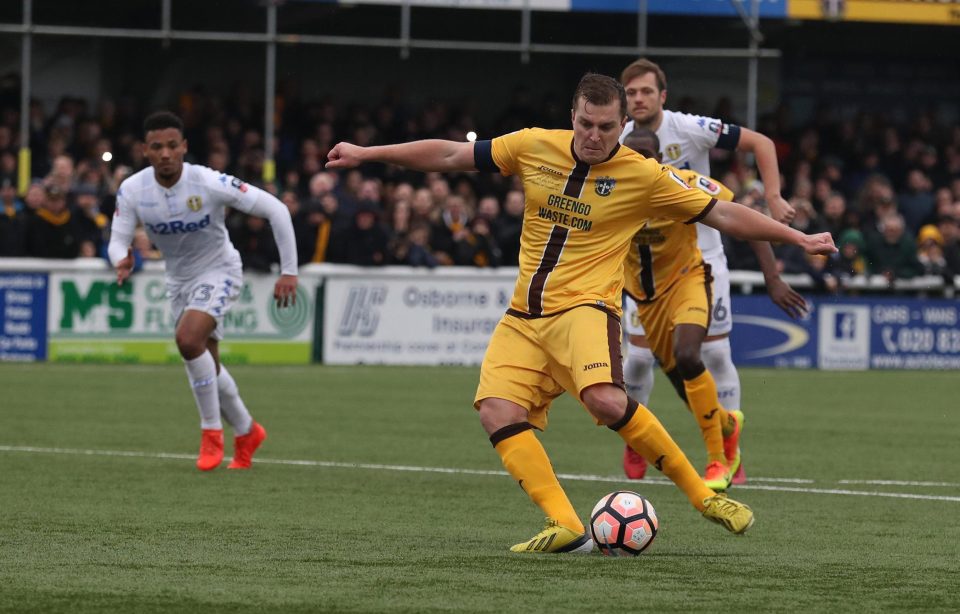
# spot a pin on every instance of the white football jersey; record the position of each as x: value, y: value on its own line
x: 685, y: 142
x: 186, y: 221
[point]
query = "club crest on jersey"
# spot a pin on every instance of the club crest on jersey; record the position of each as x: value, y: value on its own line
x: 672, y: 151
x: 194, y: 203
x: 605, y: 185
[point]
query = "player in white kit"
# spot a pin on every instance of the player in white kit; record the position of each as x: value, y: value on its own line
x: 685, y: 143
x: 182, y: 206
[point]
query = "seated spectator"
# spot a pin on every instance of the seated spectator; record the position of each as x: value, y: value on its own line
x: 480, y: 247
x: 893, y: 253
x: 304, y: 235
x: 51, y: 231
x: 930, y: 250
x: 510, y: 225
x: 849, y: 260
x: 416, y: 251
x: 12, y: 220
x: 949, y: 229
x: 254, y: 240
x: 366, y: 243
x: 92, y: 225
x: 834, y: 217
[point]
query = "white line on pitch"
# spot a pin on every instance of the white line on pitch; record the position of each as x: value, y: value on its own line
x: 899, y: 483
x: 452, y: 470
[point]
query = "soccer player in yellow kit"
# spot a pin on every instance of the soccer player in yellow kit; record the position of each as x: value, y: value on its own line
x: 586, y: 196
x: 668, y: 285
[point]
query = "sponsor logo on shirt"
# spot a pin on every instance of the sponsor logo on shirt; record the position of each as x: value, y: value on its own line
x: 178, y: 226
x: 238, y: 184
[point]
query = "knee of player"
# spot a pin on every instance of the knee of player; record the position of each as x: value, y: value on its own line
x: 606, y: 402
x: 190, y: 347
x: 689, y: 363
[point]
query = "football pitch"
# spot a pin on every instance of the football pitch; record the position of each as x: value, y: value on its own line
x: 377, y: 491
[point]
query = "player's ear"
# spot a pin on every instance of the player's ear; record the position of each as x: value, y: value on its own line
x: 663, y: 97
x: 185, y: 148
x: 573, y: 116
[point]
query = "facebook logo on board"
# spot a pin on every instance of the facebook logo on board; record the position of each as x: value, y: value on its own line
x: 844, y: 337
x: 843, y: 325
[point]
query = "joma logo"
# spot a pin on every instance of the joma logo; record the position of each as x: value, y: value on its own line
x: 595, y: 365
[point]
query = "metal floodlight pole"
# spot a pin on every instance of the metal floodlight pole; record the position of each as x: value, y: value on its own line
x: 642, y: 25
x: 269, y: 162
x: 23, y: 162
x: 753, y: 66
x: 526, y: 17
x: 405, y: 16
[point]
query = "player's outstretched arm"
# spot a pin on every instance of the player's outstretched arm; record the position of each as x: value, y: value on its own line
x: 427, y: 155
x: 780, y: 292
x: 765, y: 152
x: 748, y: 225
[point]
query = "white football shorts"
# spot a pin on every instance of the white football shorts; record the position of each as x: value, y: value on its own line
x: 213, y: 292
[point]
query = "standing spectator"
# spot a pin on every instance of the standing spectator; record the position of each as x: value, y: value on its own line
x: 451, y: 231
x: 51, y: 231
x: 12, y: 220
x: 893, y: 253
x: 917, y: 201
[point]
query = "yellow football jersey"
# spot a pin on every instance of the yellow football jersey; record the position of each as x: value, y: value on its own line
x: 579, y: 218
x: 665, y: 250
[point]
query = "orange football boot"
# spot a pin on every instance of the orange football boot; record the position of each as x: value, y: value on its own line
x: 211, y: 449
x: 244, y: 447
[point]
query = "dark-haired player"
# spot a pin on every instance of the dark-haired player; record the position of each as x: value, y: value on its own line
x: 182, y: 208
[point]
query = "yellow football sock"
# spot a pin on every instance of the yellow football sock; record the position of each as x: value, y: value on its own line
x: 703, y: 402
x: 527, y: 461
x: 644, y: 433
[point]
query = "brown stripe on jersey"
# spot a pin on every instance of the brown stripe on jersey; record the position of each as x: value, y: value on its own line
x: 646, y: 270
x: 614, y: 344
x: 551, y: 256
x: 708, y: 282
x: 575, y: 180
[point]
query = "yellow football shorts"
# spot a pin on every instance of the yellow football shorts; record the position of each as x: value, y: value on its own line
x: 688, y: 301
x: 532, y: 361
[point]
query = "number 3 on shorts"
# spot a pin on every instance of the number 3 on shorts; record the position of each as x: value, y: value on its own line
x: 201, y: 294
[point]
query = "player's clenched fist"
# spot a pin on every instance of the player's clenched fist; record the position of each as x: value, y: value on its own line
x: 820, y: 243
x: 344, y: 155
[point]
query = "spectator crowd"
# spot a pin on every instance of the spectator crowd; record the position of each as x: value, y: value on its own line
x: 888, y: 192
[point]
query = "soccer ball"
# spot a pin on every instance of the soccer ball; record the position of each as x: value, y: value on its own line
x: 623, y: 523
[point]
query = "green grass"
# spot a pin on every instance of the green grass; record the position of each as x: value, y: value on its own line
x: 94, y: 533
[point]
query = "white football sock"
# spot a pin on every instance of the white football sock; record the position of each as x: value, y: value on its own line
x: 718, y: 359
x: 202, y: 374
x: 231, y: 405
x: 638, y: 373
